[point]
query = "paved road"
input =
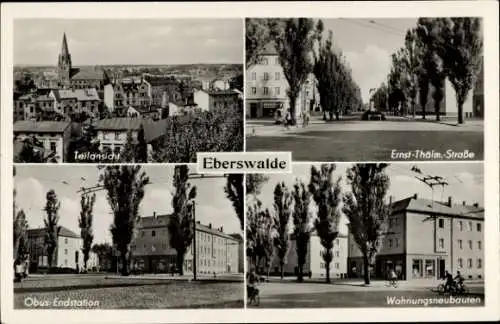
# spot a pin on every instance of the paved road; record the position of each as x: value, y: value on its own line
x: 289, y: 295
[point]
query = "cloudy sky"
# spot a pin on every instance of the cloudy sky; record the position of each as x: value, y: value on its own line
x: 33, y: 182
x: 367, y: 45
x: 465, y: 182
x: 119, y: 41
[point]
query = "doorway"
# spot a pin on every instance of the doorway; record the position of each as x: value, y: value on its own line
x: 253, y: 110
x: 442, y: 267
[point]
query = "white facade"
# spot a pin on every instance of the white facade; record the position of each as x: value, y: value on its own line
x: 202, y: 99
x: 109, y: 97
x: 113, y: 140
x: 69, y: 253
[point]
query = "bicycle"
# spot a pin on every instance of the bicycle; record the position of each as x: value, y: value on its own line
x: 392, y: 283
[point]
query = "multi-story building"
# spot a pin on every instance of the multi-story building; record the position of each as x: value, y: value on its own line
x: 67, y: 255
x: 216, y: 252
x: 54, y: 135
x: 135, y: 92
x: 112, y: 132
x: 315, y: 265
x: 162, y: 86
x: 47, y: 80
x: 78, y: 78
x: 213, y: 99
x: 266, y: 88
x: 31, y: 106
x: 425, y: 238
x: 76, y: 101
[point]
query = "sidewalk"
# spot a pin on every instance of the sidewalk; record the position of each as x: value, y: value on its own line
x: 236, y: 277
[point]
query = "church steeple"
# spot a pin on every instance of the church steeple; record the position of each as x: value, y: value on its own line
x: 64, y: 64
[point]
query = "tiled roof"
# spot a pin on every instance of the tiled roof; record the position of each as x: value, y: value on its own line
x: 88, y: 74
x: 269, y: 49
x: 65, y: 232
x: 428, y: 206
x: 222, y: 93
x: 78, y: 94
x: 28, y: 126
x: 119, y: 123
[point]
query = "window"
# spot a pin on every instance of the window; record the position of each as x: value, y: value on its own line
x: 142, y: 233
x: 254, y: 75
x: 65, y: 262
x: 337, y: 265
x: 277, y: 61
x: 266, y: 90
x: 153, y: 233
x: 276, y: 75
x: 65, y: 251
x: 397, y: 242
x: 337, y: 254
x: 460, y: 263
x: 479, y: 263
x: 145, y: 246
x: 460, y: 226
x: 390, y: 222
x: 470, y: 244
x: 266, y: 76
x: 469, y: 263
x: 441, y: 223
x: 479, y: 245
x: 337, y: 242
x: 429, y: 268
x: 254, y: 90
x: 265, y: 61
x: 397, y: 221
x: 65, y: 240
x: 277, y: 90
x: 441, y: 243
x: 478, y: 227
x: 390, y: 243
x: 53, y: 146
x: 117, y: 135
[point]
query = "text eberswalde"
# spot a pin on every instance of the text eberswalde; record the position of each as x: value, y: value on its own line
x: 245, y: 162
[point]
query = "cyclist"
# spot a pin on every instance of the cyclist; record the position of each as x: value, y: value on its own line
x: 449, y: 281
x: 459, y: 279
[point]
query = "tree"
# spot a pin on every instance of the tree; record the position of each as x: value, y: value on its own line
x: 410, y: 60
x: 366, y: 209
x: 141, y: 148
x: 52, y: 228
x: 301, y: 222
x: 85, y: 223
x: 32, y: 151
x: 254, y: 183
x: 259, y: 237
x: 181, y: 223
x: 327, y: 195
x: 104, y: 253
x: 257, y: 35
x: 234, y: 192
x: 129, y: 152
x: 463, y: 56
x: 294, y: 39
x: 282, y: 213
x: 85, y: 141
x: 124, y: 187
x: 20, y: 235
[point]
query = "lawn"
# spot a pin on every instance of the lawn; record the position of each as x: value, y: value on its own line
x: 366, y: 145
x: 131, y: 293
x: 351, y: 299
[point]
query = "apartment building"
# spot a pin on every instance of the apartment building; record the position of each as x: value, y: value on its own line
x: 67, y: 255
x: 425, y: 238
x: 112, y: 132
x: 54, y: 136
x: 315, y: 265
x: 76, y: 101
x: 216, y: 252
x: 266, y: 88
x: 208, y: 100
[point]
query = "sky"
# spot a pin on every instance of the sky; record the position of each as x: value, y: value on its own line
x: 368, y: 46
x: 33, y: 182
x: 465, y: 182
x: 129, y: 41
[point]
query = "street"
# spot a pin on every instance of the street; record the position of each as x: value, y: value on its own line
x: 355, y: 294
x: 105, y: 291
x: 356, y: 140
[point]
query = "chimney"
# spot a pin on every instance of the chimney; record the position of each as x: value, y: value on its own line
x: 450, y: 201
x: 463, y: 202
x: 476, y: 205
x: 154, y: 215
x: 222, y: 229
x: 209, y: 225
x: 415, y: 196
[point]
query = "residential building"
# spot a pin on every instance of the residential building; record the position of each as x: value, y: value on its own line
x: 70, y: 77
x: 54, y: 135
x: 266, y: 88
x: 112, y: 132
x: 31, y: 106
x: 47, y: 80
x: 241, y: 253
x: 425, y: 238
x: 76, y: 101
x: 163, y: 85
x: 217, y: 252
x: 212, y: 99
x: 315, y: 265
x: 67, y: 255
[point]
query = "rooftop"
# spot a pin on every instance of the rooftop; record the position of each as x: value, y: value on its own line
x: 78, y: 94
x: 428, y: 206
x: 119, y: 123
x: 269, y: 49
x: 88, y: 73
x: 28, y: 126
x: 65, y: 232
x: 222, y: 92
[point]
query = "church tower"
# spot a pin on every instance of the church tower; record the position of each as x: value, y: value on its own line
x: 64, y: 64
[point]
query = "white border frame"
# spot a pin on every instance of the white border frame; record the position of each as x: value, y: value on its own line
x: 486, y: 9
